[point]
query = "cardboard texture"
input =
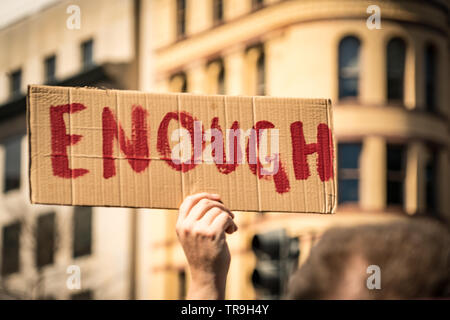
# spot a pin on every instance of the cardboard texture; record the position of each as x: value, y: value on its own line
x: 132, y: 149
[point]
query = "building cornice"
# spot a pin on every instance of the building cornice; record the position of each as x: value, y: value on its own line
x: 431, y: 16
x: 358, y: 121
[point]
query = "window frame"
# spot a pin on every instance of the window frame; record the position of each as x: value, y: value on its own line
x: 179, y: 75
x: 399, y: 101
x: 42, y: 239
x: 432, y: 96
x: 78, y: 250
x: 218, y: 7
x: 5, y: 250
x: 13, y: 91
x: 180, y: 18
x: 219, y: 78
x: 261, y: 63
x: 9, y: 140
x: 341, y: 79
x: 87, y: 63
x: 349, y: 173
x: 433, y: 152
x: 396, y: 175
x: 47, y: 63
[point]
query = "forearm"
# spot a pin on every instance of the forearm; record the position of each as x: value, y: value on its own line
x: 206, y: 286
x: 203, y: 222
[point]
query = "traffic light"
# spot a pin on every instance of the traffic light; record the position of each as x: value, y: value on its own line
x: 277, y: 256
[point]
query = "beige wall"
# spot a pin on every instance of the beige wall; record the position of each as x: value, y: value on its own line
x: 301, y: 41
x: 26, y: 43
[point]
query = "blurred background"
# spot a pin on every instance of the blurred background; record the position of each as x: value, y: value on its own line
x: 389, y: 87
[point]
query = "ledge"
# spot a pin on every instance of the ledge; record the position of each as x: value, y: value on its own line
x: 357, y: 121
x: 102, y: 75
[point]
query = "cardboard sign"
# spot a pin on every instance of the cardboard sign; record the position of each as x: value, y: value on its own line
x: 133, y: 149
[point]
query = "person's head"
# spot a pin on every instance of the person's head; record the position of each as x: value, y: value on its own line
x: 413, y: 257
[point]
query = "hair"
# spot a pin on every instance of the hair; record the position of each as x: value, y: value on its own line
x: 413, y: 256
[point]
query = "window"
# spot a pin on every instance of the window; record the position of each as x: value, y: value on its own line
x: 11, y: 249
x: 181, y: 18
x: 255, y: 73
x: 87, y: 53
x: 221, y: 81
x: 431, y: 78
x: 217, y: 11
x: 216, y: 77
x: 431, y: 180
x: 395, y: 174
x: 15, y: 83
x: 181, y: 284
x: 348, y: 67
x: 261, y: 74
x: 396, y: 50
x: 256, y: 4
x: 83, y: 295
x: 178, y: 82
x: 45, y: 238
x: 50, y: 69
x: 82, y: 231
x: 12, y: 147
x: 348, y: 159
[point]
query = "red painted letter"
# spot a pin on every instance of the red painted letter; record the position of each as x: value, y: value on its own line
x: 136, y: 149
x: 225, y: 167
x: 280, y: 178
x: 163, y: 145
x: 61, y: 140
x: 300, y: 150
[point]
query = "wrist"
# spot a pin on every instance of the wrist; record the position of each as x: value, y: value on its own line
x: 207, y: 285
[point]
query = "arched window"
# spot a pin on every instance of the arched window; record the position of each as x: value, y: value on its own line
x: 178, y: 83
x: 216, y: 77
x: 221, y: 80
x: 255, y: 70
x: 261, y: 74
x: 396, y: 51
x: 430, y: 77
x: 349, y: 67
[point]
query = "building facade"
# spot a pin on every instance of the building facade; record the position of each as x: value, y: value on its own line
x: 39, y: 244
x: 389, y: 88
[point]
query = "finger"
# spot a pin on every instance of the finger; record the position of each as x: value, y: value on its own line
x: 203, y: 206
x: 221, y: 223
x: 209, y: 216
x: 190, y: 201
x: 232, y: 228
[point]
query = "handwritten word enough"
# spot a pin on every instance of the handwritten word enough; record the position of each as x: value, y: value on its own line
x: 192, y: 148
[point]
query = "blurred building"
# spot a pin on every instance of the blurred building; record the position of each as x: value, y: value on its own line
x: 39, y: 242
x: 389, y: 88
